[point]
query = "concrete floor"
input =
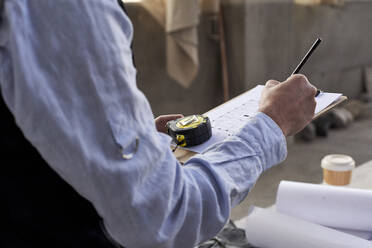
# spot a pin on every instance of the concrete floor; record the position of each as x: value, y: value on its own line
x: 303, y: 162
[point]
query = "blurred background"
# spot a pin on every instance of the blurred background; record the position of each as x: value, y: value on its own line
x: 193, y: 55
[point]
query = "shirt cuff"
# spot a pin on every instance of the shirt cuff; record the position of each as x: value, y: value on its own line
x: 269, y: 141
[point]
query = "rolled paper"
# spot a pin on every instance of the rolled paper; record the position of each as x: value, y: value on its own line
x: 270, y: 229
x: 332, y: 206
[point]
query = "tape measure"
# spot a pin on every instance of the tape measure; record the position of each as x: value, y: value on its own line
x: 190, y: 131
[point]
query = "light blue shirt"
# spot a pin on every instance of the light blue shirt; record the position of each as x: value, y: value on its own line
x: 68, y: 78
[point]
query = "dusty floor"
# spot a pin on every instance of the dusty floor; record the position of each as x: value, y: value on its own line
x: 303, y: 162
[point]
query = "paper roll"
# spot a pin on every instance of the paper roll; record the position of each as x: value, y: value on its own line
x: 269, y: 229
x: 331, y: 206
x: 360, y: 234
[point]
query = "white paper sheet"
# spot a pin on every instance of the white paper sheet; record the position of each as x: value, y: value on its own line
x: 324, y: 100
x: 361, y: 177
x: 269, y: 229
x: 332, y: 206
x: 360, y: 234
x: 227, y: 119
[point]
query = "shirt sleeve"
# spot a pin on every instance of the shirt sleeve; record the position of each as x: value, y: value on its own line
x: 67, y: 76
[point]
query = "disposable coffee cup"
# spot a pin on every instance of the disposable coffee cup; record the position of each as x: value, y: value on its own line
x: 337, y: 169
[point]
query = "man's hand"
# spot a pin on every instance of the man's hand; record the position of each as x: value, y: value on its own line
x: 290, y: 104
x: 163, y: 119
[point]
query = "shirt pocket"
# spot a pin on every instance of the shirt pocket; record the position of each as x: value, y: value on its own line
x: 126, y: 139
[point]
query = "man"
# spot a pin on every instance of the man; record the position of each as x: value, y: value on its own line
x: 68, y: 79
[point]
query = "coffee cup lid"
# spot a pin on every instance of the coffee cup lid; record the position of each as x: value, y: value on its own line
x: 338, y: 162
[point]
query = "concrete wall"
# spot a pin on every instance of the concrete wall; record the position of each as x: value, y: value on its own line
x: 265, y: 39
x: 277, y: 34
x: 164, y: 94
x: 347, y: 47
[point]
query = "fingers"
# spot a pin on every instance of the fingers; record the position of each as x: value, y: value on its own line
x: 166, y: 118
x: 290, y: 104
x: 303, y: 82
x: 296, y: 76
x: 162, y: 120
x: 314, y: 90
x: 271, y: 83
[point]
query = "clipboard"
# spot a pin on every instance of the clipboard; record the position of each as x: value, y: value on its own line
x: 334, y: 104
x: 183, y: 155
x: 228, y: 118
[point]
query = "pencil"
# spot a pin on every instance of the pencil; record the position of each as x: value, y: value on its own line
x: 307, y: 56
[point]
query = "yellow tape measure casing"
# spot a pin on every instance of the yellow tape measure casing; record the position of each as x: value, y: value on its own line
x: 190, y: 131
